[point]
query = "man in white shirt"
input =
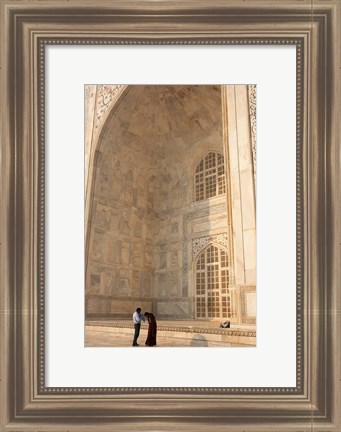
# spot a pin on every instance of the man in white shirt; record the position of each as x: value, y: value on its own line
x: 137, y: 318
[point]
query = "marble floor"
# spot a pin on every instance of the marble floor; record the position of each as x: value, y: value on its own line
x: 100, y: 338
x: 190, y: 333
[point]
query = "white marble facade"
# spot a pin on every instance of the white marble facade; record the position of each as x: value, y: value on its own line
x: 145, y: 230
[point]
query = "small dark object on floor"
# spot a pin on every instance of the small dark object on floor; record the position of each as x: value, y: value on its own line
x: 226, y: 324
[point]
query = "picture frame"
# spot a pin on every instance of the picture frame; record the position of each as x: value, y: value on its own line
x: 27, y: 28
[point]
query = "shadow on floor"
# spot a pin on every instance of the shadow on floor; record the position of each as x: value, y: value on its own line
x: 199, y: 341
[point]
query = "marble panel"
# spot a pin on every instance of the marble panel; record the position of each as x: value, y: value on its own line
x: 135, y: 289
x: 209, y: 225
x: 250, y: 249
x: 110, y: 249
x: 102, y: 219
x: 128, y: 192
x: 162, y: 259
x: 248, y: 293
x: 116, y: 184
x: 97, y: 306
x: 238, y: 244
x: 162, y: 237
x: 114, y: 222
x: 124, y: 289
x: 174, y: 284
x: 156, y: 228
x: 128, y: 307
x: 173, y: 308
x: 109, y: 283
x: 148, y: 257
x: 148, y: 231
x: 114, y: 250
x: 107, y: 164
x: 248, y: 199
x: 95, y: 283
x: 250, y: 304
x: 134, y: 197
x: 125, y: 253
x: 251, y: 276
x: 238, y: 270
x: 137, y: 230
x: 164, y: 201
x: 162, y: 285
x: 97, y: 250
x: 174, y: 230
x: 174, y: 259
x: 137, y: 254
x: 104, y: 184
x: 151, y: 189
x: 129, y: 176
x: 125, y: 224
x: 141, y: 192
x: 146, y: 284
x: 174, y: 246
x: 185, y: 188
x: 243, y: 127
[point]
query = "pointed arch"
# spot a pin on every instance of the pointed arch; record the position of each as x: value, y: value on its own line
x: 212, y: 294
x: 209, y: 176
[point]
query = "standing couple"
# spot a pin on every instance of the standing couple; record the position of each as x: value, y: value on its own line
x: 152, y: 327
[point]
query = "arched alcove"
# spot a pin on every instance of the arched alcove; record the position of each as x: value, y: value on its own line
x: 143, y: 219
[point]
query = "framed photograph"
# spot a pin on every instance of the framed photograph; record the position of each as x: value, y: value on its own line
x: 170, y: 216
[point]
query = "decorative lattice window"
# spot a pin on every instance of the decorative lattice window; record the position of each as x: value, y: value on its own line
x: 212, y: 284
x: 209, y: 179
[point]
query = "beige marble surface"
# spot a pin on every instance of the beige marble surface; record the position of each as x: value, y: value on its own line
x: 143, y: 219
x: 170, y: 333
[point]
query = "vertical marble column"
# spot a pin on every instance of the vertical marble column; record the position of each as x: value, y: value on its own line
x: 240, y: 182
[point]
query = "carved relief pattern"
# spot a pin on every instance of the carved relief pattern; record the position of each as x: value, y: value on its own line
x: 207, y: 211
x: 87, y: 92
x: 106, y: 97
x: 194, y: 215
x: 200, y: 243
x: 205, y: 330
x: 252, y: 106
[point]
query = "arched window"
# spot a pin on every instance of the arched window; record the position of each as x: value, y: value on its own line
x: 212, y: 284
x: 209, y: 179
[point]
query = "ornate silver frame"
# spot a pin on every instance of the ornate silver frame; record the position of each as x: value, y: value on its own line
x: 314, y: 28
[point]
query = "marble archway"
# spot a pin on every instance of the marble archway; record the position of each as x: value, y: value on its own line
x: 143, y: 220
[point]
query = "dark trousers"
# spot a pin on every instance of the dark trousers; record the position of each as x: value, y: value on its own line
x: 137, y: 333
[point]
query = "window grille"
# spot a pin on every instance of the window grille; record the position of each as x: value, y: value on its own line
x: 212, y: 284
x: 210, y: 176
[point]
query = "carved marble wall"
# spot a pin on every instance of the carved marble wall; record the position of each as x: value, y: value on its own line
x: 99, y: 102
x: 120, y: 255
x: 145, y: 230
